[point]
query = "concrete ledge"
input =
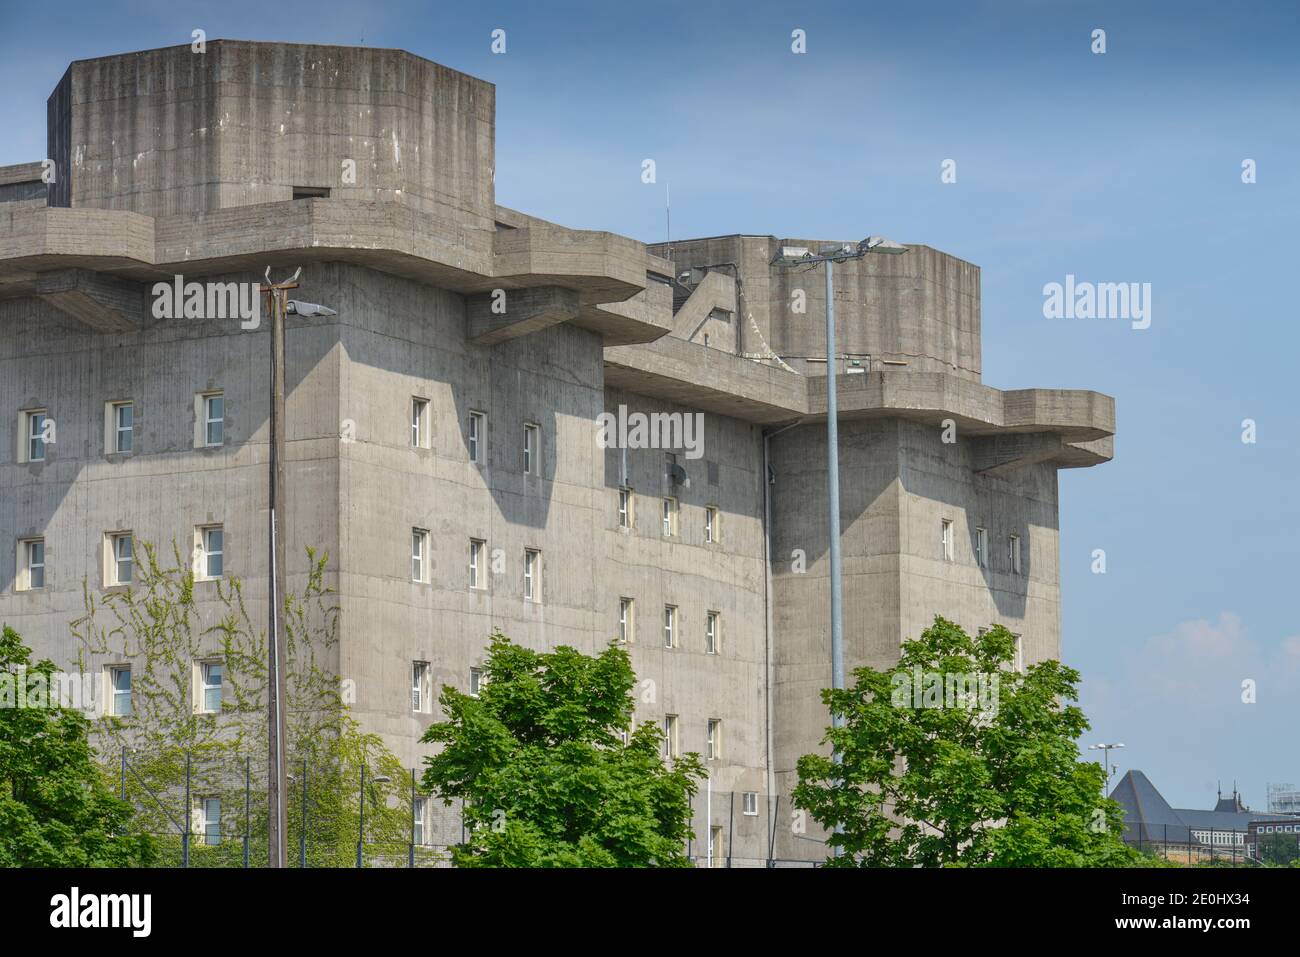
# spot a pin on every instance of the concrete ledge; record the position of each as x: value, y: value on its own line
x: 525, y: 311
x: 104, y: 303
x: 708, y: 379
x: 599, y: 267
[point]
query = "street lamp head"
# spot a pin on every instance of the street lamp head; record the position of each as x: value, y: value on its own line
x: 879, y: 244
x: 298, y: 308
x: 791, y: 255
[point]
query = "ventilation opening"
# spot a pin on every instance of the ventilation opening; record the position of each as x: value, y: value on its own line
x: 311, y: 192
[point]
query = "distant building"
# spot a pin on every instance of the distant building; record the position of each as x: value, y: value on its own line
x: 1290, y: 830
x: 1149, y: 819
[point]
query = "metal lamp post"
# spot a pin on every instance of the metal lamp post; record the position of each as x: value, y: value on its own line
x: 794, y: 256
x: 1106, y: 750
x: 277, y: 782
x: 797, y: 257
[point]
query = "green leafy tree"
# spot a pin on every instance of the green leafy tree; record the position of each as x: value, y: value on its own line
x: 539, y: 761
x: 162, y: 628
x: 954, y: 758
x: 56, y: 805
x: 1279, y: 850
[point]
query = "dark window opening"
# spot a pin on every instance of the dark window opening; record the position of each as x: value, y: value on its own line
x: 311, y: 192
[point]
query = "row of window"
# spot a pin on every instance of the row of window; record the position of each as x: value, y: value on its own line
x: 477, y: 564
x: 476, y: 436
x: 119, y: 558
x: 37, y: 430
x: 671, y: 633
x: 981, y: 547
x: 207, y: 683
x: 422, y: 689
x: 669, y: 510
x: 748, y: 803
x: 712, y: 738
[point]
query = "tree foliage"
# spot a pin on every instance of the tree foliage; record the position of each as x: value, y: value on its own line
x: 56, y: 805
x: 162, y: 626
x: 928, y: 782
x: 546, y: 779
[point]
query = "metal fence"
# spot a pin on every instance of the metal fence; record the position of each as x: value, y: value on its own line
x: 212, y: 812
x: 1181, y: 844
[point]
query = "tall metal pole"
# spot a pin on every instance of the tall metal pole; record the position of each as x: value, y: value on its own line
x: 361, y: 827
x: 248, y: 803
x: 833, y: 506
x: 833, y: 494
x: 277, y: 822
x: 302, y: 837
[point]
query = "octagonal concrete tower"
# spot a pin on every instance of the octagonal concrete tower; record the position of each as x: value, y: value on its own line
x: 172, y: 131
x: 409, y: 412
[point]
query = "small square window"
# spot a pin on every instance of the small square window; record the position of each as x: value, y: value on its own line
x: 475, y: 681
x: 532, y: 440
x: 31, y: 564
x: 713, y: 742
x: 710, y: 524
x: 715, y: 846
x: 981, y: 547
x: 626, y: 620
x: 37, y: 431
x: 210, y: 818
x: 121, y: 558
x: 419, y: 423
x: 749, y: 804
x: 121, y: 427
x: 1013, y: 553
x: 947, y: 540
x: 119, y: 681
x: 210, y: 419
x: 418, y: 809
x: 625, y: 507
x: 477, y: 437
x: 420, y: 687
x: 711, y: 633
x: 210, y: 674
x: 671, y: 748
x: 670, y: 626
x: 210, y: 552
x: 669, y: 515
x: 532, y: 575
x: 419, y: 554
x: 477, y: 576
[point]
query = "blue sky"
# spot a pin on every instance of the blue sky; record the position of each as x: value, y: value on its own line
x: 1117, y: 167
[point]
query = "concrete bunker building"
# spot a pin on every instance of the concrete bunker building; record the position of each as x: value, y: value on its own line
x: 420, y: 411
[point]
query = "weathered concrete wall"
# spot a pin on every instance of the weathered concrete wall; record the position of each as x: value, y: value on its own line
x: 164, y: 487
x: 921, y: 308
x: 899, y: 481
x: 172, y: 131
